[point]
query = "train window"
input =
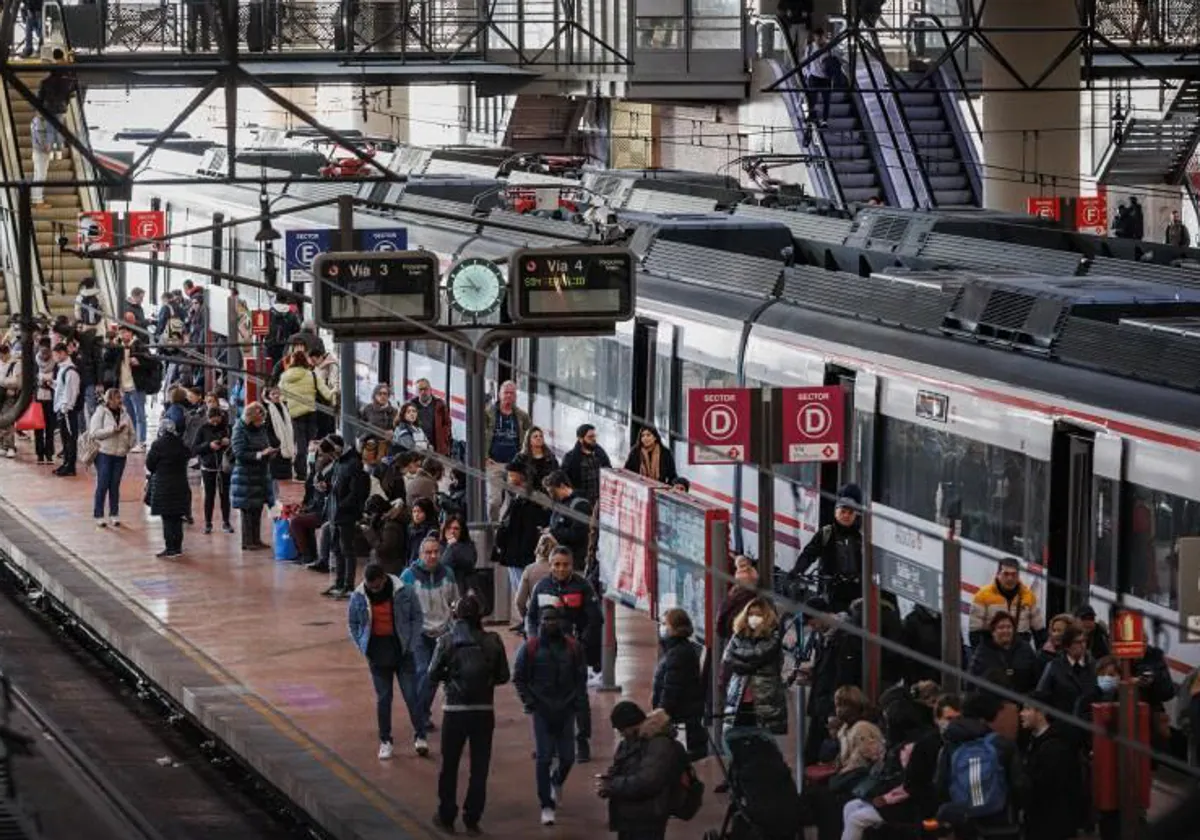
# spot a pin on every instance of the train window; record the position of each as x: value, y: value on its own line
x: 1104, y: 569
x: 1155, y: 523
x: 922, y: 471
x: 663, y: 370
x: 588, y: 373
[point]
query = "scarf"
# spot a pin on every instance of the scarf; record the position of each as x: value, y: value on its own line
x: 650, y: 462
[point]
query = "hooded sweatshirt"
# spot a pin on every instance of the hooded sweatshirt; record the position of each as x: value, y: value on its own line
x: 436, y: 592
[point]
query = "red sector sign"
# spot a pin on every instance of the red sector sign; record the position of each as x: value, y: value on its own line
x: 1129, y: 636
x: 95, y: 230
x: 148, y: 224
x: 1047, y: 207
x: 720, y: 425
x: 812, y: 424
x: 260, y: 322
x: 1091, y: 213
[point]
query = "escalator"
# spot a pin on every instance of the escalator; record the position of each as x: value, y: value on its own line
x: 944, y: 152
x: 849, y: 152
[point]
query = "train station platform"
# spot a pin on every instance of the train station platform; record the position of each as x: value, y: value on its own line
x: 252, y: 651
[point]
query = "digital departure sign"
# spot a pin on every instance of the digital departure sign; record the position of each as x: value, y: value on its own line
x: 583, y: 284
x: 365, y: 292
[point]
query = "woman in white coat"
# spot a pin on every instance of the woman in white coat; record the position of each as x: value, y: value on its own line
x: 112, y: 429
x: 279, y: 431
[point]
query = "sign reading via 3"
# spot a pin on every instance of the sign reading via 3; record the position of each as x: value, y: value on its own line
x: 812, y: 424
x: 720, y: 425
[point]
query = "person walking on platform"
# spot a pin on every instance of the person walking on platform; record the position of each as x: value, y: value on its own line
x: 437, y: 592
x: 385, y: 624
x: 641, y: 784
x: 504, y: 427
x: 248, y: 485
x: 570, y: 520
x: 212, y: 448
x: 550, y: 675
x: 68, y: 399
x: 470, y: 662
x: 347, y: 500
x: 584, y: 463
x: 575, y: 602
x: 10, y: 389
x: 112, y: 429
x: 521, y: 523
x: 170, y: 495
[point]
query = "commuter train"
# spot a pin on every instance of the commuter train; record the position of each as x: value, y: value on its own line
x: 1091, y: 478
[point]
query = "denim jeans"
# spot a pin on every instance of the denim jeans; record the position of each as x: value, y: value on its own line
x: 135, y: 406
x: 33, y: 23
x: 550, y: 744
x: 90, y: 400
x: 109, y: 470
x: 382, y: 676
x: 425, y: 691
x: 458, y: 730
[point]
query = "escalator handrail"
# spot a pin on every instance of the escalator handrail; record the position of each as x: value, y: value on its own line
x: 11, y: 162
x: 901, y: 138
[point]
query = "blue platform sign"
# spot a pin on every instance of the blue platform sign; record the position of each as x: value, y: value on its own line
x: 383, y: 239
x: 303, y: 246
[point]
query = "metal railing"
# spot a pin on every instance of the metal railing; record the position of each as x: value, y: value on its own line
x: 1155, y: 22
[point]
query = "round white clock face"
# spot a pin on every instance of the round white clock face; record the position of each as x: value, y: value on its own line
x: 475, y: 286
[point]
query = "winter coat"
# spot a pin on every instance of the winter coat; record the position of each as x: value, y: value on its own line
x: 388, y: 539
x: 109, y: 439
x: 643, y: 777
x: 1064, y: 684
x: 677, y: 689
x: 45, y: 377
x: 1055, y: 798
x: 378, y: 417
x: 578, y: 608
x: 406, y: 616
x: 1018, y: 661
x: 1021, y: 604
x: 437, y: 592
x: 584, y: 470
x: 279, y: 433
x: 442, y: 667
x: 666, y: 464
x: 520, y: 529
x: 552, y: 682
x: 964, y: 730
x: 420, y: 485
x: 731, y: 607
x: 90, y: 359
x: 167, y: 461
x: 301, y: 387
x: 146, y: 373
x: 439, y: 432
x: 837, y: 552
x: 921, y: 631
x: 573, y: 532
x: 211, y: 460
x: 349, y: 489
x: 460, y: 558
x: 249, y: 482
x: 755, y: 664
x: 536, y: 469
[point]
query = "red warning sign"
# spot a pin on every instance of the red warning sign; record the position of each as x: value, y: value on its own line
x: 148, y: 224
x: 95, y: 230
x: 1091, y: 214
x: 260, y: 322
x: 813, y: 424
x: 1047, y: 207
x: 720, y: 425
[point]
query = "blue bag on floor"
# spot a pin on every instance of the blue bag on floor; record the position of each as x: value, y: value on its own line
x: 285, y: 546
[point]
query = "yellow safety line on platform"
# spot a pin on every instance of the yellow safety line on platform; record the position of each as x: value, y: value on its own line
x: 278, y: 721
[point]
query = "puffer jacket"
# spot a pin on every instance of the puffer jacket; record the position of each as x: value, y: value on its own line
x: 1021, y: 604
x: 550, y: 677
x: 388, y: 538
x: 300, y: 387
x: 756, y: 662
x: 642, y: 778
x: 167, y: 461
x: 406, y: 616
x: 677, y: 688
x: 111, y: 440
x: 442, y: 667
x: 250, y: 480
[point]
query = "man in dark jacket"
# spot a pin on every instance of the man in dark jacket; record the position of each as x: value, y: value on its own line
x: 133, y: 305
x: 836, y: 550
x: 471, y: 663
x: 1052, y: 763
x: 584, y: 463
x: 89, y: 360
x: 640, y: 783
x: 677, y: 689
x: 550, y: 675
x: 981, y: 717
x: 570, y: 521
x: 1070, y: 674
x: 572, y: 598
x: 347, y: 495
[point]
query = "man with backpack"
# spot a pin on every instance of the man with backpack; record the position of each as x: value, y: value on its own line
x: 550, y: 675
x: 570, y: 520
x: 836, y: 551
x: 650, y: 779
x: 470, y: 663
x: 980, y: 777
x: 576, y: 603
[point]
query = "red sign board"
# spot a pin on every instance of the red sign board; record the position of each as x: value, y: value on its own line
x: 260, y: 322
x: 1129, y: 636
x: 96, y: 231
x: 148, y: 224
x: 812, y: 424
x: 720, y: 425
x: 1091, y: 213
x: 1047, y: 207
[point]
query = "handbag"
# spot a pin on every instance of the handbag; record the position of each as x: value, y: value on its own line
x: 89, y: 448
x: 33, y: 420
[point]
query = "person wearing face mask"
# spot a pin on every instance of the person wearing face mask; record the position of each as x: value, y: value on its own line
x: 1052, y: 763
x: 755, y: 695
x: 677, y: 689
x: 1103, y: 689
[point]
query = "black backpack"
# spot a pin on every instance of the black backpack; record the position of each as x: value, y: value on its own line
x: 688, y: 793
x: 471, y: 673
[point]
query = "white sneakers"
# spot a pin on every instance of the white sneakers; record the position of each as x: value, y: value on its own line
x: 556, y: 794
x: 10, y: 453
x: 100, y: 523
x: 547, y: 816
x: 421, y: 746
x: 116, y: 523
x: 385, y: 750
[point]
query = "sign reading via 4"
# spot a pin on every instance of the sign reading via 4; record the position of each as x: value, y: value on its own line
x: 812, y: 425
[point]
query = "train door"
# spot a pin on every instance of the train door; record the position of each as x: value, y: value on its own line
x: 642, y: 409
x: 835, y: 474
x: 1070, y: 518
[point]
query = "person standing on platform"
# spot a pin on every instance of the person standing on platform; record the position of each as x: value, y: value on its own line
x: 836, y: 550
x: 677, y: 689
x: 279, y: 432
x: 575, y: 602
x: 521, y: 523
x: 1177, y: 232
x: 43, y: 439
x: 470, y: 662
x: 380, y: 415
x: 651, y: 458
x: 437, y: 592
x: 570, y: 520
x: 385, y: 624
x: 408, y: 435
x: 1006, y: 593
x: 134, y: 306
x: 550, y: 675
x: 10, y: 389
x: 347, y: 499
x: 641, y: 784
x: 325, y: 366
x: 41, y: 147
x: 505, y: 424
x: 126, y: 367
x: 303, y: 391
x: 112, y: 429
x: 584, y: 463
x: 212, y: 449
x: 67, y: 402
x: 170, y: 495
x: 434, y: 417
x: 537, y: 457
x: 249, y: 483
